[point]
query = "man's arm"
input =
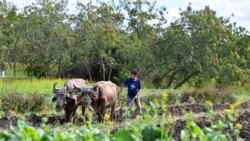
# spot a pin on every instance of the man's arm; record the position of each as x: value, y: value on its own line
x: 126, y: 83
x: 139, y: 87
x: 137, y: 94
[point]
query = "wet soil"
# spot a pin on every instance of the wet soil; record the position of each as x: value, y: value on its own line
x: 179, y: 110
x: 244, y: 120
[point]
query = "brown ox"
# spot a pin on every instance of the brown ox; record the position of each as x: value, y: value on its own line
x: 66, y: 100
x: 103, y: 95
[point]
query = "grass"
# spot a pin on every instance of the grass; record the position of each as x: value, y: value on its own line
x: 29, y: 86
x: 131, y: 128
x: 44, y: 87
x: 242, y: 93
x: 28, y: 95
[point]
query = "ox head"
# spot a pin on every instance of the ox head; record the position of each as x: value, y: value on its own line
x: 59, y: 97
x: 88, y: 95
x: 72, y: 95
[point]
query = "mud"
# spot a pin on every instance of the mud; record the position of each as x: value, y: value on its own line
x: 37, y: 120
x: 6, y: 122
x: 220, y: 107
x: 245, y: 105
x: 181, y: 109
x: 202, y: 122
x: 244, y: 120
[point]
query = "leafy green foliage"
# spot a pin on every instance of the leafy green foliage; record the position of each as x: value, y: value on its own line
x: 217, y: 130
x: 123, y: 135
x: 208, y: 94
x: 151, y: 133
x: 150, y: 126
x: 105, y: 41
x: 24, y: 103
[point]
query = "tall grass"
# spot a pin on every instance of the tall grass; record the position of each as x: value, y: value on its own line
x: 241, y: 92
x: 29, y: 86
x: 24, y: 103
x: 27, y: 95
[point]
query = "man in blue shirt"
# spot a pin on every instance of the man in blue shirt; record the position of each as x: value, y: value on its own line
x: 134, y: 85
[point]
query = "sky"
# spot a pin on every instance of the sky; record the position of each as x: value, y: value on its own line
x: 224, y: 8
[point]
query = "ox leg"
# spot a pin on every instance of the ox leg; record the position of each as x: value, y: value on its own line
x: 67, y: 113
x: 70, y: 114
x: 101, y: 114
x: 112, y: 115
x: 83, y: 113
x: 74, y: 113
x: 83, y: 110
x: 99, y: 117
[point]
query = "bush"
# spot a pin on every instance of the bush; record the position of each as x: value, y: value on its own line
x: 202, y: 95
x: 24, y: 103
x: 172, y: 97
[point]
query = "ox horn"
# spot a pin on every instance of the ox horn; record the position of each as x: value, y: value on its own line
x: 54, y: 86
x: 94, y: 94
x: 66, y: 87
x: 77, y: 89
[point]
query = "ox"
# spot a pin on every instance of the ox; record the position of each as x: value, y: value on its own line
x: 101, y: 96
x: 66, y: 100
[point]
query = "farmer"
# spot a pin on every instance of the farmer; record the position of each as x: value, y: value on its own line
x: 134, y: 85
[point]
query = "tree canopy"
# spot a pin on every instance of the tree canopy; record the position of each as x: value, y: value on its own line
x: 105, y: 40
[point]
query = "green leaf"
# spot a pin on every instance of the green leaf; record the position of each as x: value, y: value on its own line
x: 151, y: 133
x: 124, y: 135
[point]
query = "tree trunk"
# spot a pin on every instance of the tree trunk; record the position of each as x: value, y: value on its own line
x: 186, y: 78
x: 110, y: 72
x: 60, y: 56
x: 15, y: 57
x: 172, y: 77
x: 158, y: 80
x: 59, y: 69
x: 14, y: 67
x: 103, y: 71
x: 88, y: 70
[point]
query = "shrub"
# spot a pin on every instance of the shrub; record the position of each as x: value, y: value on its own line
x: 152, y: 133
x: 202, y: 95
x: 172, y: 97
x: 24, y: 103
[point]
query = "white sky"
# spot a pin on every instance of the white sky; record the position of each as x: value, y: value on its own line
x: 225, y: 8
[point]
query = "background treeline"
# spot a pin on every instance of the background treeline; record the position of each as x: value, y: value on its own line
x: 105, y: 40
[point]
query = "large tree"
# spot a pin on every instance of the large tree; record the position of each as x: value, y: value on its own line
x: 197, y: 45
x: 98, y: 37
x: 47, y: 40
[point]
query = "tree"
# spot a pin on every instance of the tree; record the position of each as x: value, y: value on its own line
x: 143, y: 33
x: 97, y: 38
x: 197, y: 45
x: 46, y: 38
x: 11, y: 34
